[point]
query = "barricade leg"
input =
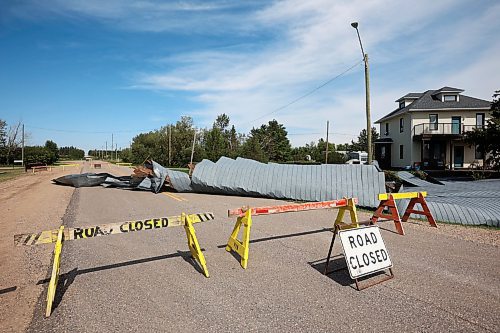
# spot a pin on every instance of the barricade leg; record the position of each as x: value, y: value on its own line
x: 193, y: 244
x: 241, y: 247
x: 425, y: 210
x: 394, y: 213
x: 351, y: 207
x: 51, y: 292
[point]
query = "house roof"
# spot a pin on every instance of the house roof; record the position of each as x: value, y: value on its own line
x: 429, y: 101
x: 410, y: 96
x: 448, y: 90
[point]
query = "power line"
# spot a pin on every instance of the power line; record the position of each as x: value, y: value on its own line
x: 308, y: 93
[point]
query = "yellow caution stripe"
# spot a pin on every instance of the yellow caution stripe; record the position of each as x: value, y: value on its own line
x: 50, y: 236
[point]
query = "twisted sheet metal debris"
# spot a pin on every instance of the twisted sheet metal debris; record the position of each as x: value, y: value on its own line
x: 247, y: 177
x: 284, y: 181
x: 464, y: 202
x: 153, y: 183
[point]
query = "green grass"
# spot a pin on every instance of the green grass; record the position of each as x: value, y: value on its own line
x: 6, y: 174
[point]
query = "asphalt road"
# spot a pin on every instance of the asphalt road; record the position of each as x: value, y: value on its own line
x: 146, y: 281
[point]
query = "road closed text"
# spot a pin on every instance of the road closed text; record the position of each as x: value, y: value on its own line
x: 364, y: 251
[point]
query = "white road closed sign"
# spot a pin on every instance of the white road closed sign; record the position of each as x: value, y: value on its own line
x: 364, y: 251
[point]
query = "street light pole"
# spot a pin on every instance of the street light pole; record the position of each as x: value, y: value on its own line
x: 367, y: 97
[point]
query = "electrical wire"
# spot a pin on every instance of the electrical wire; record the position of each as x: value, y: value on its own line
x: 310, y: 92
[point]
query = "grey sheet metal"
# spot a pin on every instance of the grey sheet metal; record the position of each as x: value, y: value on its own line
x: 282, y: 181
x: 463, y: 202
x: 179, y: 180
x: 412, y: 180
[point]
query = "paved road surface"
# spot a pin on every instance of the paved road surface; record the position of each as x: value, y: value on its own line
x: 145, y: 281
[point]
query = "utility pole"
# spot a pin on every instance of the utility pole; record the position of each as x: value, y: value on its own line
x: 112, y: 145
x: 367, y: 99
x: 22, y: 149
x: 326, y: 157
x: 169, y: 145
x: 106, y: 153
x: 368, y: 117
x: 192, y: 150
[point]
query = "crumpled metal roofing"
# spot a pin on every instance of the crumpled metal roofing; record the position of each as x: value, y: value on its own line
x: 464, y: 202
x: 247, y: 177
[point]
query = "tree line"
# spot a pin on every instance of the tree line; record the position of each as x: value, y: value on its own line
x: 49, y: 153
x: 172, y: 145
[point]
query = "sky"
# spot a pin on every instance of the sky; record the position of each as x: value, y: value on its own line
x: 84, y: 73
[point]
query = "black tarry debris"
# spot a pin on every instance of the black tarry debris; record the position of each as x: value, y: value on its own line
x: 150, y: 177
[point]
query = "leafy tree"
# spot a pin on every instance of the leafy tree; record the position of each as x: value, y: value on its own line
x: 487, y: 139
x: 252, y: 148
x: 71, y: 153
x: 52, y: 149
x: 362, y: 143
x: 269, y: 142
x: 38, y: 154
x: 217, y: 138
x: 3, y: 134
x: 10, y: 142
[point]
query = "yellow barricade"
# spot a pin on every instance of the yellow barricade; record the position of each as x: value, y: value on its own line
x: 58, y: 236
x: 387, y: 202
x: 244, y: 220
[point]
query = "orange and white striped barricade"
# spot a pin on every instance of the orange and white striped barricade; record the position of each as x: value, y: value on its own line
x: 244, y: 220
x: 387, y: 200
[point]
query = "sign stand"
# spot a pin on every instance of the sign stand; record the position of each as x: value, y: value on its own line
x: 339, y: 227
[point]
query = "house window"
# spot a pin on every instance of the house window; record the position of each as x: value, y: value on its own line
x: 479, y: 120
x: 479, y: 153
x: 401, y: 125
x: 433, y: 122
x: 401, y: 152
x: 386, y: 128
x: 401, y: 104
x: 450, y: 98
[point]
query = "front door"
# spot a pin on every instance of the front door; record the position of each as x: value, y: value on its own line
x: 458, y: 156
x: 455, y: 125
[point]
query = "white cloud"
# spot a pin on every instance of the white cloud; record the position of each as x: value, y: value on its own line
x: 413, y: 46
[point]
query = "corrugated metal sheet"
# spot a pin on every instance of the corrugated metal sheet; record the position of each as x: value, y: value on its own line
x: 282, y: 181
x: 464, y: 202
x: 412, y: 180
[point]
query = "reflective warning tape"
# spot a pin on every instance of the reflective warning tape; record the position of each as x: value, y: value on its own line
x: 291, y: 208
x: 50, y: 236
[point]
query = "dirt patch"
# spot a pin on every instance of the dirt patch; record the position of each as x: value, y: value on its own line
x: 29, y: 203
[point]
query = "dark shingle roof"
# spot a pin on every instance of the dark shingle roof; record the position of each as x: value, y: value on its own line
x: 410, y: 96
x: 429, y: 101
x: 448, y: 89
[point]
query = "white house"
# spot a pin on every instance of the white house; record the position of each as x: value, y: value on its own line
x: 427, y: 129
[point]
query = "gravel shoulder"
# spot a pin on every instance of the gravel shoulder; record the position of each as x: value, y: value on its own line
x: 28, y: 203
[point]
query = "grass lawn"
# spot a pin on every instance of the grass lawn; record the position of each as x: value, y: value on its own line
x: 6, y: 174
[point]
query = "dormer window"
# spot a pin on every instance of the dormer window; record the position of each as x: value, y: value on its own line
x: 401, y: 104
x: 450, y: 98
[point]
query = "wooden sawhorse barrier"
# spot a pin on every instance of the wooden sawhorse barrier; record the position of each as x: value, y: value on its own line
x: 387, y: 200
x: 245, y: 214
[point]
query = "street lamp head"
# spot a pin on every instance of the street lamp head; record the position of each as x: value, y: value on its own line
x: 354, y: 25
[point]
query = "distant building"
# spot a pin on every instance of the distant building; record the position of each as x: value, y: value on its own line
x: 427, y: 129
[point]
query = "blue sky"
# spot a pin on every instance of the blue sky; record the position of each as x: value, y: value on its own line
x: 78, y: 71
